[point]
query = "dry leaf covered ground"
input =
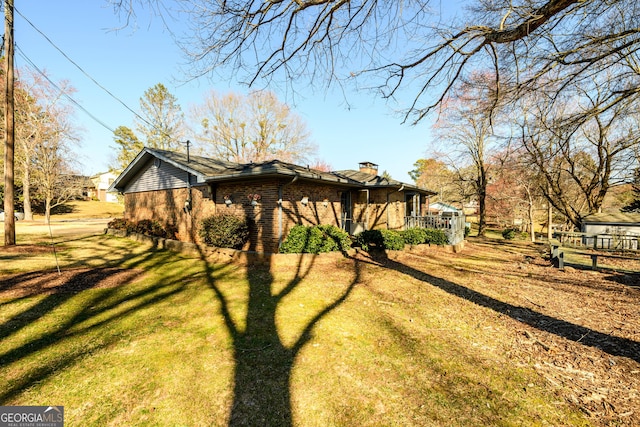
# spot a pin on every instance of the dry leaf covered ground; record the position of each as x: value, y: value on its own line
x: 579, y: 329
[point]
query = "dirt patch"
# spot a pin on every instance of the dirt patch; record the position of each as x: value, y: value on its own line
x: 67, y: 281
x: 27, y: 249
x: 578, y: 328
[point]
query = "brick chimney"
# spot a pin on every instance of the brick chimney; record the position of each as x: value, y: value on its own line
x: 368, y: 167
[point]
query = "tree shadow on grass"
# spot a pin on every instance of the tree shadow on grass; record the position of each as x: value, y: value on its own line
x: 84, y: 314
x: 263, y: 362
x: 610, y: 344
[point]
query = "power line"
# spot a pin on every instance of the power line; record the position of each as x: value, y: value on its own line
x: 85, y: 73
x: 55, y: 85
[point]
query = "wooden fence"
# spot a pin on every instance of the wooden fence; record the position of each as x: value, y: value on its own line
x: 606, y: 242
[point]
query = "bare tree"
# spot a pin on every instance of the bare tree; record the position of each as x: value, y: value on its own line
x: 515, y: 190
x: 48, y: 138
x: 57, y: 183
x: 36, y: 101
x: 407, y: 47
x: 466, y: 133
x: 580, y: 159
x: 253, y: 127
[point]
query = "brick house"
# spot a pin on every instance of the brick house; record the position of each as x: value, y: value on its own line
x: 273, y: 196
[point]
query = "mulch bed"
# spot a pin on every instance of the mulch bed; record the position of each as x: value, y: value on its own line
x: 66, y: 281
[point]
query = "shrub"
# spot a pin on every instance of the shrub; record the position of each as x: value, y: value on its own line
x: 341, y: 237
x: 370, y: 239
x: 392, y: 240
x: 414, y: 236
x: 145, y: 226
x: 436, y: 237
x: 509, y: 234
x: 224, y: 231
x: 302, y: 239
x: 467, y: 231
x: 152, y: 228
x: 315, y: 239
x: 380, y: 239
x: 120, y: 224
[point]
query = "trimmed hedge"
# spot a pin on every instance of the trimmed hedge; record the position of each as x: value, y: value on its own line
x: 392, y: 240
x: 414, y: 236
x: 436, y: 237
x: 315, y: 239
x: 380, y: 239
x: 395, y: 240
x: 224, y: 231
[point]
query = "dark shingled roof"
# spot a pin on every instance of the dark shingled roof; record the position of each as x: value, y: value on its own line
x: 206, y: 169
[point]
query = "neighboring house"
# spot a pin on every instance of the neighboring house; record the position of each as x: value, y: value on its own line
x: 77, y: 187
x: 615, y: 230
x: 102, y: 182
x: 612, y: 223
x: 441, y: 208
x: 273, y: 196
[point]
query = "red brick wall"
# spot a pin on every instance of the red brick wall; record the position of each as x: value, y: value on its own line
x: 261, y: 218
x: 167, y: 207
x: 267, y: 223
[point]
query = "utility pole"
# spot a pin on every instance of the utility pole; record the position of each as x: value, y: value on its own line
x: 9, y: 129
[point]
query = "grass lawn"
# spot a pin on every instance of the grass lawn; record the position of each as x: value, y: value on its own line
x: 130, y: 335
x: 84, y: 209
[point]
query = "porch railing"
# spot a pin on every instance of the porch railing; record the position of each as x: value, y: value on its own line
x: 453, y: 226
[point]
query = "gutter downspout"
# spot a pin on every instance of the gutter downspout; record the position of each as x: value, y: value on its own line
x: 280, y: 218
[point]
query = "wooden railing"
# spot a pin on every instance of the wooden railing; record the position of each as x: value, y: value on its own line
x: 608, y: 242
x: 453, y: 226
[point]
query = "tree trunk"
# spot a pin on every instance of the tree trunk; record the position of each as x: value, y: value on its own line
x: 9, y: 131
x: 549, y: 221
x: 26, y: 192
x: 47, y: 210
x: 532, y: 227
x: 482, y: 214
x: 482, y: 196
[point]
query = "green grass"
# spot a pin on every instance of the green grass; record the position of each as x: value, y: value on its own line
x: 89, y: 209
x: 187, y: 342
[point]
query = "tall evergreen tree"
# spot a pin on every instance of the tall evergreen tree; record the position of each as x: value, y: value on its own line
x: 162, y: 122
x: 128, y: 146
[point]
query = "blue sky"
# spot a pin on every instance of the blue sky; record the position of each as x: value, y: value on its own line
x: 129, y: 61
